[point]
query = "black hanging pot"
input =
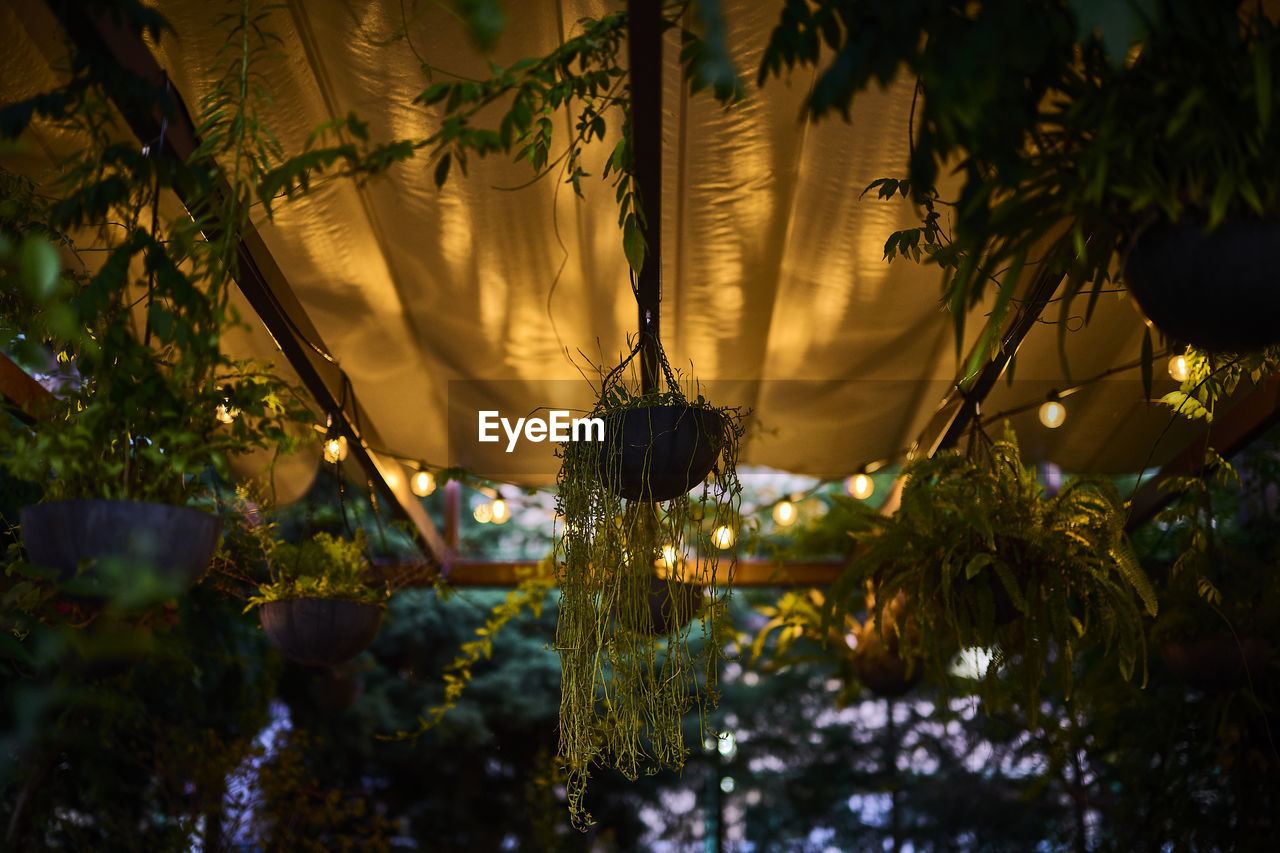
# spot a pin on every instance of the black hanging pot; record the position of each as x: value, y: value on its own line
x: 320, y: 631
x: 176, y: 541
x: 336, y: 689
x: 880, y: 669
x: 1219, y: 291
x: 1217, y: 661
x: 656, y: 453
x: 672, y: 605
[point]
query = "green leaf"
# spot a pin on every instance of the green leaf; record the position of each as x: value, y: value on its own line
x: 633, y: 243
x: 39, y: 263
x: 442, y: 170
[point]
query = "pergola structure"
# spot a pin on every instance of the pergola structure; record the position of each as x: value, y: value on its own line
x: 427, y: 305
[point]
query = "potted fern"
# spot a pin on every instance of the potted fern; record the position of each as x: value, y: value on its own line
x: 990, y: 561
x: 320, y: 609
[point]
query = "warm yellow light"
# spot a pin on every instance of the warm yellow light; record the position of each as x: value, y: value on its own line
x: 860, y: 486
x: 335, y: 448
x: 422, y: 483
x: 226, y: 413
x: 784, y: 513
x: 1052, y: 414
x: 670, y: 556
x: 483, y: 513
x: 723, y: 537
x: 498, y: 509
x: 1179, y: 369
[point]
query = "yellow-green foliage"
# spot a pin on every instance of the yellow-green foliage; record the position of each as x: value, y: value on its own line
x: 976, y: 538
x: 624, y: 691
x: 321, y: 567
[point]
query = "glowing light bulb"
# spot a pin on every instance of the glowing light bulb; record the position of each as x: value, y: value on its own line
x: 498, y: 509
x: 860, y: 486
x: 1179, y: 369
x: 422, y: 483
x: 784, y: 513
x: 226, y: 413
x: 670, y: 556
x: 483, y: 513
x: 335, y: 448
x: 723, y: 537
x: 1053, y: 413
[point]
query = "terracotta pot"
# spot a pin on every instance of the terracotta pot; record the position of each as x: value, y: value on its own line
x: 1217, y: 662
x: 176, y: 541
x: 320, y: 631
x: 1218, y: 291
x: 657, y: 453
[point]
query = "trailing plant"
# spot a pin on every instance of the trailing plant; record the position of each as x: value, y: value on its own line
x: 1095, y: 123
x: 323, y: 566
x: 141, y: 331
x: 990, y: 561
x: 586, y: 76
x: 625, y: 691
x: 529, y: 594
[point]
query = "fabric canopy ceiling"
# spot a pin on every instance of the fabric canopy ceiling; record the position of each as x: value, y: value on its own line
x: 775, y: 294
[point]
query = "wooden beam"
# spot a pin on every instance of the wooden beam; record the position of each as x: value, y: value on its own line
x: 958, y: 410
x: 644, y: 52
x: 259, y: 277
x: 20, y: 391
x: 1246, y: 420
x: 504, y: 573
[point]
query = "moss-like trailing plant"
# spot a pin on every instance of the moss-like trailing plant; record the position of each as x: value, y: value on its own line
x: 625, y: 690
x: 987, y: 559
x: 323, y: 566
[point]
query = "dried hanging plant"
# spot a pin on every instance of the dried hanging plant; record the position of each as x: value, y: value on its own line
x: 638, y: 557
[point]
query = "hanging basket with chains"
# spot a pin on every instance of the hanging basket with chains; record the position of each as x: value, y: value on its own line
x: 320, y: 609
x: 636, y: 563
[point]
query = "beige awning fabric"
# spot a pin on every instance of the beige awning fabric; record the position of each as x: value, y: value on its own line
x: 484, y: 293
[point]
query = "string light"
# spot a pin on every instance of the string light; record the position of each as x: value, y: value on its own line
x: 335, y: 449
x: 784, y: 512
x: 1052, y: 412
x: 1179, y: 367
x: 670, y: 556
x: 225, y: 412
x: 335, y: 444
x: 422, y: 483
x: 860, y: 486
x: 483, y: 513
x: 723, y: 538
x: 499, y: 511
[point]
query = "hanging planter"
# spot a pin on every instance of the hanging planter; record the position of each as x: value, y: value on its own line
x: 336, y: 689
x: 1217, y: 661
x: 672, y: 605
x: 634, y: 659
x: 658, y: 452
x: 176, y: 542
x: 994, y: 563
x: 1218, y: 291
x: 320, y: 631
x: 880, y: 661
x: 320, y: 610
